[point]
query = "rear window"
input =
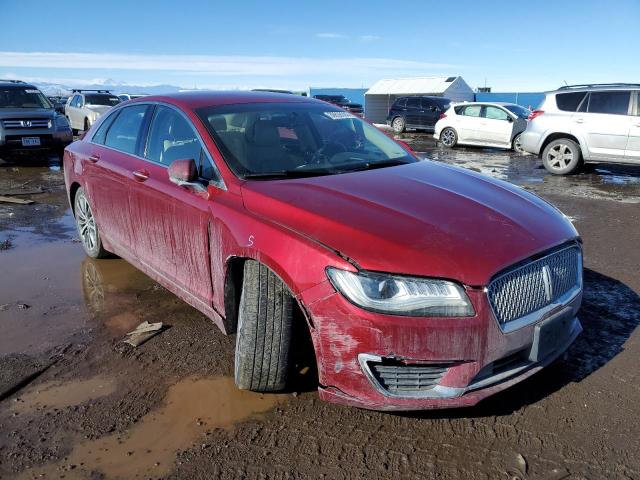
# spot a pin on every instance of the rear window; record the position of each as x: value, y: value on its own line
x: 614, y: 103
x: 568, y: 102
x: 469, y: 110
x: 401, y: 102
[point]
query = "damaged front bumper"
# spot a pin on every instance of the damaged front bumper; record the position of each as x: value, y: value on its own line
x: 386, y: 362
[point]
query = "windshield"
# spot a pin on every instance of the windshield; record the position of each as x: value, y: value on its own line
x: 518, y: 110
x: 109, y: 100
x: 11, y: 97
x: 298, y: 139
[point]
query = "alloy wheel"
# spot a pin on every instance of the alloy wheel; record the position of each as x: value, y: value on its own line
x: 86, y: 224
x: 448, y: 137
x: 560, y: 156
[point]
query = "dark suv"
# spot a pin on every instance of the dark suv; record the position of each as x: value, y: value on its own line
x: 420, y: 113
x: 343, y: 102
x: 29, y: 121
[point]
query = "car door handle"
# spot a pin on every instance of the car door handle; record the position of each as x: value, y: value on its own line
x: 140, y: 175
x: 94, y: 158
x: 579, y: 120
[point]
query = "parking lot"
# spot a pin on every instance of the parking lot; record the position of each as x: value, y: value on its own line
x: 77, y: 402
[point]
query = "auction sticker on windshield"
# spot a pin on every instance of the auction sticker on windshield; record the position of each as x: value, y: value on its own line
x: 338, y: 115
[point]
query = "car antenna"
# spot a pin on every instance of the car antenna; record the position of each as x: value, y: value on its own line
x: 565, y: 82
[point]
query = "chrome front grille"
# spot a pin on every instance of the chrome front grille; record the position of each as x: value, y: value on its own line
x: 536, y: 284
x: 27, y: 123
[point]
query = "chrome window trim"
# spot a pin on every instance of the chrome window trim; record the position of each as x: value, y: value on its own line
x: 219, y: 182
x: 537, y: 315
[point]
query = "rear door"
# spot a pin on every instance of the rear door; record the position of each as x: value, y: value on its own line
x: 606, y: 123
x: 633, y: 144
x: 496, y: 126
x: 108, y: 172
x: 468, y: 122
x: 171, y: 223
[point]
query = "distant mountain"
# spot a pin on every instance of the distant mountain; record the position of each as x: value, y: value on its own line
x: 114, y: 86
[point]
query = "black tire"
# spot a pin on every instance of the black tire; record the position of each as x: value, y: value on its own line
x: 87, y: 226
x: 562, y: 157
x: 398, y: 124
x: 87, y: 125
x: 264, y: 331
x: 449, y: 137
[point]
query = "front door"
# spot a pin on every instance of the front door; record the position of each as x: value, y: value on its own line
x: 171, y: 223
x: 496, y: 126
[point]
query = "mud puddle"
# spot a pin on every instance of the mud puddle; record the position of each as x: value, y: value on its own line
x: 52, y: 395
x: 192, y: 407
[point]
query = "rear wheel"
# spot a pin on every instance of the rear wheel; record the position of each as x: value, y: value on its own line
x: 562, y: 157
x: 517, y: 144
x: 398, y: 125
x: 449, y: 137
x: 264, y: 330
x: 87, y: 227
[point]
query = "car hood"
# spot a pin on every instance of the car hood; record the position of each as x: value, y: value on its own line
x: 27, y: 113
x: 423, y: 219
x: 98, y: 108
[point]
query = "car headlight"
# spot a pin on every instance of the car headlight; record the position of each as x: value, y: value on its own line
x: 398, y: 295
x: 61, y: 121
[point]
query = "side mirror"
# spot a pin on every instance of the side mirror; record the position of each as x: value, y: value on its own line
x: 184, y: 173
x: 509, y: 119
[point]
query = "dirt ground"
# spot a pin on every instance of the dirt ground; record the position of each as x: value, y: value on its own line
x: 75, y: 402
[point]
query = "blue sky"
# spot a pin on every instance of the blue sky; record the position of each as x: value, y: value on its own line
x: 514, y: 45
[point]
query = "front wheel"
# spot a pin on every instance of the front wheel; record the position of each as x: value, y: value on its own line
x: 264, y: 330
x: 87, y: 125
x: 87, y: 227
x: 449, y: 137
x: 562, y: 157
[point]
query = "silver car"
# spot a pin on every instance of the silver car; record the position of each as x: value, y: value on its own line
x: 585, y: 123
x: 84, y: 107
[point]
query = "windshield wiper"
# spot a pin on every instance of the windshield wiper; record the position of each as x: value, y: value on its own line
x: 373, y: 165
x: 288, y: 174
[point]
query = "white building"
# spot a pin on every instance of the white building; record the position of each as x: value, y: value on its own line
x: 378, y: 99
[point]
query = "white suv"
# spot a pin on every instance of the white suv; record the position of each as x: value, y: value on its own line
x: 585, y: 123
x: 84, y: 107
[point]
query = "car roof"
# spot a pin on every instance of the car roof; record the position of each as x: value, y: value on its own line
x: 17, y: 84
x: 497, y: 104
x: 599, y: 86
x: 202, y: 98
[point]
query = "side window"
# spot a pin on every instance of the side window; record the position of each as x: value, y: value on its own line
x: 101, y: 134
x: 173, y: 138
x: 80, y: 101
x: 125, y: 129
x: 413, y: 102
x: 401, y: 103
x: 74, y: 101
x: 472, y: 111
x: 495, y: 113
x: 569, y: 102
x: 615, y: 103
x: 428, y: 104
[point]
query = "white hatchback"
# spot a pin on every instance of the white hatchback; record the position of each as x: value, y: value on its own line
x: 483, y: 124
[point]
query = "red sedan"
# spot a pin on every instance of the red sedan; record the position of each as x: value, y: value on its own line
x: 422, y: 285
